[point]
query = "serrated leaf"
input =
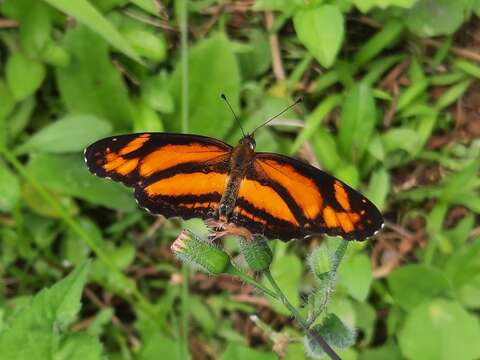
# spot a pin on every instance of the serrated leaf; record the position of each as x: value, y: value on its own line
x: 321, y: 30
x: 80, y: 346
x: 69, y: 134
x: 35, y: 332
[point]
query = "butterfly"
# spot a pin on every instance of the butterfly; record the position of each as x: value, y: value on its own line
x: 193, y: 176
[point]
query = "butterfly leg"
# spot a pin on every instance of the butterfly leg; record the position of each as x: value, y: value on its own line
x: 220, y: 229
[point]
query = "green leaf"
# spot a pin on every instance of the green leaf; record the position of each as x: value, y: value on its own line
x: 77, y: 181
x: 321, y: 30
x: 239, y: 352
x: 159, y: 346
x: 148, y: 44
x: 460, y: 182
x: 35, y: 26
x: 286, y: 6
x: 439, y: 17
x: 314, y: 121
x: 7, y: 103
x: 463, y: 271
x: 366, y: 5
x: 357, y: 122
x: 390, y: 351
x: 24, y: 75
x: 256, y: 57
x: 91, y: 84
x: 9, y: 188
x: 440, y: 330
x: 379, y: 187
x: 213, y: 70
x: 355, y: 275
x: 88, y: 15
x: 36, y: 330
x: 80, y: 346
x: 335, y: 333
x: 413, y: 284
x: 400, y: 139
x: 287, y: 277
x: 69, y: 134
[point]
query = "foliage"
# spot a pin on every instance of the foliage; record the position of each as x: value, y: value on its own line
x: 386, y: 109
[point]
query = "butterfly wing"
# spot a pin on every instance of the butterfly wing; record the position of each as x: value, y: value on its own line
x: 285, y: 198
x: 172, y: 174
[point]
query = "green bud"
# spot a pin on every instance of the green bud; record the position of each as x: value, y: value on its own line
x: 320, y: 262
x: 333, y: 331
x: 194, y: 251
x: 256, y: 252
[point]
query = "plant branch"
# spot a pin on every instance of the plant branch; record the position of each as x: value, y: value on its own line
x: 330, y: 281
x: 311, y: 333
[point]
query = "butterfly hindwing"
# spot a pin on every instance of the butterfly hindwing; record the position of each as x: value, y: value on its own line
x: 285, y: 198
x: 172, y: 174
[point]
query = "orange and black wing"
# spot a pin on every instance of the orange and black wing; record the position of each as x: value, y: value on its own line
x: 172, y: 174
x: 285, y: 198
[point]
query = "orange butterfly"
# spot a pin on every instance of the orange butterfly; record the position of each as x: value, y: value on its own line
x: 192, y: 176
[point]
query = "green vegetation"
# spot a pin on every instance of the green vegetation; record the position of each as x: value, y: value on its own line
x: 387, y: 108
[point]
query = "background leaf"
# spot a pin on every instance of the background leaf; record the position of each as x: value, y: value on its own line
x: 85, y: 13
x: 357, y: 122
x: 91, y: 84
x: 69, y: 134
x: 37, y: 329
x: 321, y: 30
x: 440, y: 329
x: 213, y: 70
x: 78, y: 182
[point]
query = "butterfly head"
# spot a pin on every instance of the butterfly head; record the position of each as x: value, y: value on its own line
x: 248, y: 140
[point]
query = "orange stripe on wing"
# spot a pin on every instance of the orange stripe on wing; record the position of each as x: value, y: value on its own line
x: 135, y: 144
x: 172, y: 155
x: 303, y: 190
x: 341, y: 195
x: 188, y: 184
x: 267, y: 199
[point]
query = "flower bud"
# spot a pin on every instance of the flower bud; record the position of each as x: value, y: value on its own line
x: 320, y: 262
x: 202, y: 254
x: 256, y: 252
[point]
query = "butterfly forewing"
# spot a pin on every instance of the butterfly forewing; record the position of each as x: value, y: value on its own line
x: 172, y: 174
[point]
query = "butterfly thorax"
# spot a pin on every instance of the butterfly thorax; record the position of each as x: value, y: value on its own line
x: 241, y: 159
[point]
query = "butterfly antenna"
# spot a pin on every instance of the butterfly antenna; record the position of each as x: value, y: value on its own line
x: 233, y: 112
x: 299, y: 100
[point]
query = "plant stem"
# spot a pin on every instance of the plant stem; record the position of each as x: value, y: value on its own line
x: 312, y: 333
x: 330, y: 281
x: 233, y: 270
